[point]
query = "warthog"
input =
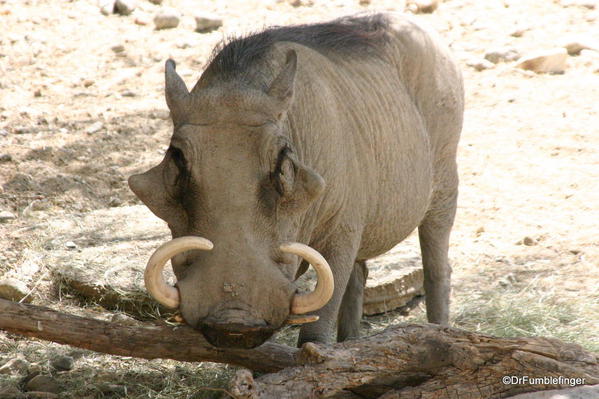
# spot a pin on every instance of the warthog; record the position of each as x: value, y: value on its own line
x: 329, y: 142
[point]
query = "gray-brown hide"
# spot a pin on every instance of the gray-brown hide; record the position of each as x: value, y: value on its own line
x: 346, y: 149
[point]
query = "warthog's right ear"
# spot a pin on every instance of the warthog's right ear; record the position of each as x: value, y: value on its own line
x: 177, y: 95
x: 281, y: 87
x: 309, y: 185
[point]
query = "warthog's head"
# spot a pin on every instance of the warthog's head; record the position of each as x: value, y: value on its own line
x: 233, y: 193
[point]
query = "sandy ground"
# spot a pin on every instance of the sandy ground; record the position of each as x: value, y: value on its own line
x: 77, y: 118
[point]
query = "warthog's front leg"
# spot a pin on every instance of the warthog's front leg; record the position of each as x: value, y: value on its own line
x: 341, y: 261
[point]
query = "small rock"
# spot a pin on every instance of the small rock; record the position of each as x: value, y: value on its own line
x: 125, y: 7
x: 5, y: 216
x: 88, y: 82
x: 519, y: 32
x: 119, y: 48
x: 128, y: 93
x: 24, y: 130
x: 62, y: 363
x: 15, y: 366
x: 156, y: 1
x: 590, y: 4
x: 5, y: 158
x: 301, y: 3
x: 506, y: 54
x: 207, y: 22
x: 37, y: 93
x: 42, y: 383
x: 11, y: 392
x: 70, y: 245
x: 545, y: 61
x: 106, y: 6
x: 13, y: 289
x: 480, y: 64
x: 575, y: 46
x: 163, y: 114
x: 508, y: 280
x: 575, y: 251
x: 184, y: 44
x: 167, y: 18
x: 425, y: 6
x: 480, y: 230
x: 142, y: 20
x: 94, y: 128
x: 529, y: 241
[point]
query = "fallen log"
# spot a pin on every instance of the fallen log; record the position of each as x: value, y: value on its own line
x: 137, y: 340
x: 403, y: 362
x: 425, y: 361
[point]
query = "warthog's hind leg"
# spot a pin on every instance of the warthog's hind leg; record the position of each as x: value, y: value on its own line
x: 434, y: 233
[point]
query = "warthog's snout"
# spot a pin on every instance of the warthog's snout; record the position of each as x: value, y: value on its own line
x: 236, y: 335
x: 235, y: 328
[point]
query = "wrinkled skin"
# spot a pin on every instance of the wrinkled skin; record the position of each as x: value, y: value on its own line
x: 346, y: 155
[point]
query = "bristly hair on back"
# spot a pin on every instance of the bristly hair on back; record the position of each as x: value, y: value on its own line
x: 359, y: 35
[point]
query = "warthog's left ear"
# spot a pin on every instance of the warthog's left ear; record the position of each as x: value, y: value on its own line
x: 281, y: 87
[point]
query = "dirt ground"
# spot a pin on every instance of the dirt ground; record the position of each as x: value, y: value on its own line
x: 78, y: 116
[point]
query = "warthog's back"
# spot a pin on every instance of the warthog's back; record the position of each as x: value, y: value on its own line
x: 380, y: 125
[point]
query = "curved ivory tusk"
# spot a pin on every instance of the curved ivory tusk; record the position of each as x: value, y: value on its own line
x: 323, y: 292
x: 164, y: 293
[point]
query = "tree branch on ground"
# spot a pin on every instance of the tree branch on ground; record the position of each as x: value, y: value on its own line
x: 148, y: 341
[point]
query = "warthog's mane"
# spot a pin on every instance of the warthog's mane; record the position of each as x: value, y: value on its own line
x: 358, y: 36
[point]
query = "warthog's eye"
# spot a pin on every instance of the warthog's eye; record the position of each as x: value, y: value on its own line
x: 284, y: 174
x: 178, y: 175
x: 178, y: 158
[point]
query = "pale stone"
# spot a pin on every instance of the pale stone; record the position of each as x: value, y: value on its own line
x: 5, y: 216
x: 13, y: 289
x: 545, y: 61
x: 106, y: 6
x: 207, y: 22
x: 167, y: 18
x: 94, y: 128
x: 504, y: 54
x: 480, y: 64
x: 575, y: 45
x: 423, y: 6
x: 590, y: 4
